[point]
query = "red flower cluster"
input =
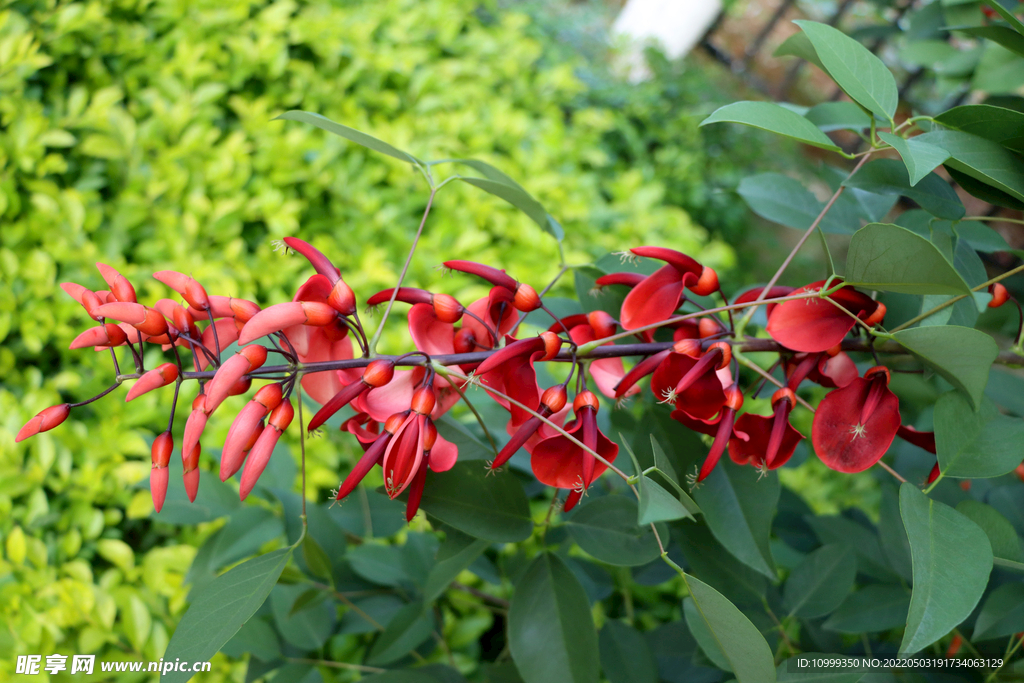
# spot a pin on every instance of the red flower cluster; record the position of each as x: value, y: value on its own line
x: 457, y: 346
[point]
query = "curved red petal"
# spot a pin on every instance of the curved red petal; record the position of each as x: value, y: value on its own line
x: 653, y: 300
x: 840, y: 441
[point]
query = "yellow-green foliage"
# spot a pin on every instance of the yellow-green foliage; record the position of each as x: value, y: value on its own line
x: 139, y: 134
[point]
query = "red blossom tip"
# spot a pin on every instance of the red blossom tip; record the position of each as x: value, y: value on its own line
x: 44, y: 421
x: 554, y: 398
x: 526, y: 299
x: 464, y: 341
x: 710, y: 327
x: 677, y: 259
x: 190, y: 290
x: 585, y: 399
x: 154, y: 379
x: 342, y: 298
x: 284, y: 315
x: 603, y: 324
x: 423, y: 401
x: 269, y: 396
x: 688, y: 347
x: 120, y: 288
x: 379, y: 372
x: 190, y: 473
x: 999, y: 295
x: 107, y: 334
x: 281, y: 416
x: 876, y: 317
x: 446, y: 308
x: 163, y: 447
x: 784, y: 394
x: 320, y: 263
x: 628, y: 279
x: 496, y: 277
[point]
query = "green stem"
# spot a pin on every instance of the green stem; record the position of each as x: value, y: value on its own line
x: 950, y: 302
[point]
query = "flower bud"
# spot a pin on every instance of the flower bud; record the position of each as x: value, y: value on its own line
x: 342, y: 299
x: 269, y: 396
x: 240, y: 387
x: 281, y: 416
x: 379, y: 372
x: 423, y: 401
x: 526, y: 299
x: 876, y: 317
x: 554, y: 398
x: 585, y: 399
x: 429, y: 435
x: 710, y: 327
x: 44, y: 421
x: 786, y: 394
x: 393, y: 423
x: 688, y: 347
x: 999, y: 295
x: 446, y: 308
x: 120, y: 288
x: 603, y: 324
x: 707, y: 283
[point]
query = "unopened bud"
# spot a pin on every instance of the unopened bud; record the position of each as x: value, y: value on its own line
x: 585, y: 399
x: 526, y: 299
x: 446, y: 308
x: 44, y: 421
x: 379, y: 372
x: 554, y: 398
x: 423, y: 401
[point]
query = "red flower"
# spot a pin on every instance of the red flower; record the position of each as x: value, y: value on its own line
x: 832, y: 368
x: 814, y: 325
x: 510, y: 371
x: 721, y: 428
x: 688, y: 379
x: 559, y: 462
x: 854, y: 426
x: 551, y: 402
x: 658, y: 295
x: 766, y: 442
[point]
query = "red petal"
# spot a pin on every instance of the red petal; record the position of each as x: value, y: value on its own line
x: 751, y: 434
x: 653, y: 300
x: 840, y: 441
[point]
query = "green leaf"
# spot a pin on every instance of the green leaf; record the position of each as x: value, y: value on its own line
x: 863, y: 540
x: 975, y: 444
x: 662, y: 462
x: 888, y: 176
x: 514, y: 195
x: 738, y: 505
x: 878, y: 607
x: 550, y: 628
x: 1002, y: 613
x: 859, y: 73
x: 1001, y: 534
x: 961, y: 355
x: 220, y: 609
x: 785, y: 201
x: 998, y: 124
x: 256, y: 637
x: 316, y: 559
x: 1009, y: 16
x: 820, y: 582
x: 799, y: 45
x: 381, y: 564
x: 921, y: 158
x: 889, y: 258
x: 891, y: 534
x: 606, y: 528
x: 658, y: 505
x: 350, y: 134
x: 773, y: 118
x: 625, y: 655
x: 455, y: 555
x: 952, y: 561
x: 830, y: 116
x: 984, y: 160
x: 980, y: 237
x: 406, y: 631
x: 492, y: 508
x: 1001, y: 35
x: 307, y: 628
x: 728, y: 631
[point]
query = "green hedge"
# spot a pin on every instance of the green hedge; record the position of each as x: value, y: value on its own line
x: 139, y: 134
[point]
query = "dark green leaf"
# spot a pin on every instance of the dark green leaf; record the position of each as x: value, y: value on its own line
x: 984, y: 160
x: 952, y: 561
x: 738, y: 505
x: 975, y: 444
x: 256, y: 637
x: 713, y: 564
x: 1009, y: 17
x: 888, y: 176
x: 798, y: 45
x: 1000, y: 35
x: 625, y: 655
x: 458, y: 551
x: 980, y: 237
x: 399, y: 676
x: 889, y: 258
x: 1002, y: 613
x: 606, y: 528
x: 878, y: 607
x: 247, y: 530
x: 316, y: 559
x: 998, y: 124
x: 773, y: 118
x: 349, y: 134
x: 820, y: 582
x: 492, y: 508
x: 220, y: 609
x: 380, y: 564
x: 859, y: 73
x: 785, y: 201
x: 658, y: 505
x: 470, y: 447
x: 550, y: 628
x: 307, y: 629
x: 308, y: 598
x: 864, y: 542
x: 920, y: 158
x: 381, y: 609
x: 737, y: 640
x: 409, y: 629
x: 830, y: 116
x: 661, y: 460
x: 983, y: 191
x: 1007, y: 390
x: 1001, y: 534
x: 892, y: 535
x: 961, y: 355
x: 367, y: 513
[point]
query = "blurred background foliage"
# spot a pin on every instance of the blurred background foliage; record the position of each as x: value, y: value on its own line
x: 140, y: 134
